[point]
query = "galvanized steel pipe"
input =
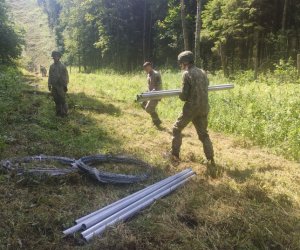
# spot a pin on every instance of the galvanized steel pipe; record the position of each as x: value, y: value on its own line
x: 129, y: 200
x: 121, y: 202
x: 155, y: 95
x: 134, y: 210
x: 103, y: 218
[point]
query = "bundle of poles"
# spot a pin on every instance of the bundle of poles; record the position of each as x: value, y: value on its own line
x: 157, y: 95
x: 97, y: 222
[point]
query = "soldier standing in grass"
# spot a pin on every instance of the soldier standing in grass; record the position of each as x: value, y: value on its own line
x: 196, y: 107
x: 58, y: 84
x: 43, y: 71
x: 154, y: 83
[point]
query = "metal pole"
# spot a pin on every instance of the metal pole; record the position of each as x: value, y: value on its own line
x: 81, y: 220
x: 127, y: 203
x: 155, y: 95
x: 133, y: 211
x: 165, y: 181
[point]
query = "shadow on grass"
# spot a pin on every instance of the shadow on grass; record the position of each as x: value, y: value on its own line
x: 31, y: 123
x: 242, y: 176
x: 218, y: 213
x: 81, y: 101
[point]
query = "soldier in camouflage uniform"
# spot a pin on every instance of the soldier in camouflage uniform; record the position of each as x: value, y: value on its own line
x: 196, y: 107
x: 58, y: 84
x: 43, y: 71
x: 154, y: 83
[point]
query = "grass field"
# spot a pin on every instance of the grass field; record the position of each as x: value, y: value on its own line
x: 255, y: 204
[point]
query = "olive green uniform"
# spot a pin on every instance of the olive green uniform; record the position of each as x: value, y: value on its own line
x: 43, y: 71
x: 58, y: 83
x: 154, y: 83
x: 195, y: 110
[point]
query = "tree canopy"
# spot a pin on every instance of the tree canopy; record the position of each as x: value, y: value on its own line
x: 122, y: 34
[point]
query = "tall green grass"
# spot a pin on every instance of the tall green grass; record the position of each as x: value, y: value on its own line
x: 264, y: 111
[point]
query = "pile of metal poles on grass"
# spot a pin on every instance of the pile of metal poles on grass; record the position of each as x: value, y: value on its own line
x: 156, y: 95
x: 97, y: 222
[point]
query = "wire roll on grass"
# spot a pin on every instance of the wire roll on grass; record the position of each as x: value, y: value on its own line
x: 15, y: 165
x: 84, y: 164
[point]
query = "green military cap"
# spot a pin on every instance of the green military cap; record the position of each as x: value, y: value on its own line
x: 186, y: 57
x: 55, y: 53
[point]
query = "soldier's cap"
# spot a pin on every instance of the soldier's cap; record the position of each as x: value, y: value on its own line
x: 147, y: 64
x: 55, y: 53
x: 186, y: 57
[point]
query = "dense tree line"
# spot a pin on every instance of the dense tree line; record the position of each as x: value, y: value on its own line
x: 231, y: 34
x: 11, y: 40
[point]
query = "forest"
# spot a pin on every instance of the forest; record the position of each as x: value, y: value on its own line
x: 231, y: 35
x: 251, y: 201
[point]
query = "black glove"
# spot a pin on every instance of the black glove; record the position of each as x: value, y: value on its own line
x: 49, y: 87
x: 65, y: 88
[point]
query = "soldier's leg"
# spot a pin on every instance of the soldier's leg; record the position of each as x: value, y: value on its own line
x: 59, y: 97
x: 55, y: 96
x: 151, y: 109
x: 201, y: 123
x: 182, y: 121
x: 62, y: 101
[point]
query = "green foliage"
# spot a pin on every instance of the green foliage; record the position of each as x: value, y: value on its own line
x: 11, y: 39
x: 265, y: 111
x: 245, y: 29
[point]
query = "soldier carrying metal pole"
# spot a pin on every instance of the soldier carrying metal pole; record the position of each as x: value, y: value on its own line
x: 195, y: 109
x: 154, y: 84
x: 58, y: 84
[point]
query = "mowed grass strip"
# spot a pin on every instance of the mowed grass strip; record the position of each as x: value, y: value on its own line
x: 254, y: 205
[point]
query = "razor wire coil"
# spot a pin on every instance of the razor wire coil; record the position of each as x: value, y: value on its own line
x: 83, y: 165
x: 107, y: 177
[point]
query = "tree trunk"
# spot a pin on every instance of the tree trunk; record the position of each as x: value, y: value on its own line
x: 184, y: 26
x: 283, y: 27
x: 298, y: 65
x: 144, y: 31
x: 223, y: 60
x: 79, y: 62
x: 150, y: 51
x: 256, y: 54
x: 197, y: 33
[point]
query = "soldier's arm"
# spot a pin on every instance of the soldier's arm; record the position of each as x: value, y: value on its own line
x: 185, y: 92
x: 67, y: 76
x: 157, y: 83
x: 205, y: 77
x: 50, y: 78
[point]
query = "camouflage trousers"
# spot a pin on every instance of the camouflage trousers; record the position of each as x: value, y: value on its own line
x: 200, y: 122
x: 150, y: 108
x: 59, y: 97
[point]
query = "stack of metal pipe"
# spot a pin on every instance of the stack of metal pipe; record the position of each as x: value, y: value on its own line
x: 156, y: 95
x: 97, y: 222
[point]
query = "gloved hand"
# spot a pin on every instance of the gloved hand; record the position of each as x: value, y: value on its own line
x: 66, y: 88
x: 49, y: 87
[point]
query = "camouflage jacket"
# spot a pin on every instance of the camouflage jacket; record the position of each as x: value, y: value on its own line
x: 195, y: 89
x: 58, y: 75
x: 154, y: 80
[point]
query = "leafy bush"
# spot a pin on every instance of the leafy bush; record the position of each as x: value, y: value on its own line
x: 11, y: 40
